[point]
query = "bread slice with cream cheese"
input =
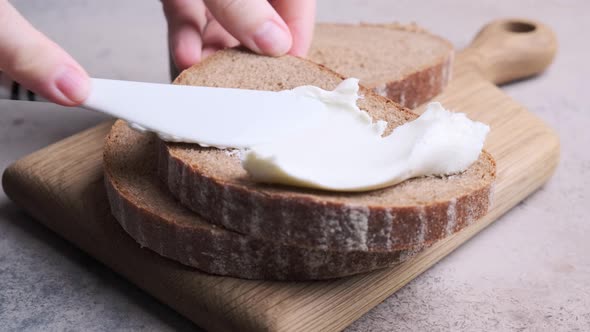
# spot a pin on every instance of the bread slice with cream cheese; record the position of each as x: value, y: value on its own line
x: 212, y: 182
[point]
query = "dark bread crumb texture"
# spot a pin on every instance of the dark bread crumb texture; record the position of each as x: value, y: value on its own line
x: 212, y: 183
x: 149, y: 214
x: 402, y: 62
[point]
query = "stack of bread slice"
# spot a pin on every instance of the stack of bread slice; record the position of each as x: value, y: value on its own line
x: 197, y: 205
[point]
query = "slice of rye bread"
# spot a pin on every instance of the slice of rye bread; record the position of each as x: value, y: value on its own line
x: 147, y: 211
x: 212, y: 182
x: 402, y: 62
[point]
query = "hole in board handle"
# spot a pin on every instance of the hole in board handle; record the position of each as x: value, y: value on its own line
x: 519, y: 27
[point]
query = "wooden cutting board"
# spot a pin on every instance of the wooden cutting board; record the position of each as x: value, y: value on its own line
x: 62, y: 186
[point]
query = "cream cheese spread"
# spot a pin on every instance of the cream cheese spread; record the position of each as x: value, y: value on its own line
x: 310, y: 137
x: 346, y: 150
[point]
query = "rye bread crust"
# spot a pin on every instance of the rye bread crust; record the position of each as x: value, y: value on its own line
x: 298, y: 216
x: 212, y: 183
x: 417, y: 82
x: 418, y: 87
x: 148, y: 213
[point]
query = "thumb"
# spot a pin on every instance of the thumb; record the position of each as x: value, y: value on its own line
x: 37, y: 63
x: 255, y: 23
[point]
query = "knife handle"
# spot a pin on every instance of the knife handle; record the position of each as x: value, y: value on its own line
x: 12, y: 90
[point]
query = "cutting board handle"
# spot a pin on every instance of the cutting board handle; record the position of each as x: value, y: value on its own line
x: 510, y: 49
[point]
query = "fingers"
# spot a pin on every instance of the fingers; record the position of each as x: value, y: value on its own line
x: 37, y: 63
x: 186, y: 21
x: 194, y: 34
x: 216, y: 38
x: 254, y: 23
x: 299, y: 15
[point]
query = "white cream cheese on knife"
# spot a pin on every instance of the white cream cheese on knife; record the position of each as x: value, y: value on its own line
x: 345, y: 151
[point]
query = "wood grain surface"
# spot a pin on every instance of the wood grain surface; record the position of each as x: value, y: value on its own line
x: 62, y: 186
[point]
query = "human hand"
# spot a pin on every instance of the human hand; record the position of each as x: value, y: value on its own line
x: 198, y: 28
x: 40, y: 65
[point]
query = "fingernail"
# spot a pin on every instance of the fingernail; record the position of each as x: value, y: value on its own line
x: 271, y: 39
x: 73, y: 84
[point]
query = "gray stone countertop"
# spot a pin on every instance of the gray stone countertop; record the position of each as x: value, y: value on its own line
x: 528, y: 271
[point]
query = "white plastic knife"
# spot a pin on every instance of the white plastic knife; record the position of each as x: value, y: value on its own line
x: 219, y: 117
